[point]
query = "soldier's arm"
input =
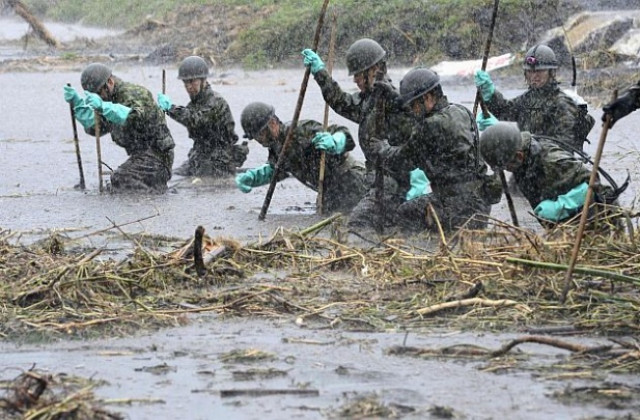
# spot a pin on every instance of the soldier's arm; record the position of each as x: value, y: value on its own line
x: 502, y: 108
x: 347, y: 105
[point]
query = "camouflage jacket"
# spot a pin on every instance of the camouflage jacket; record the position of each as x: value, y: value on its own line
x: 361, y: 108
x: 547, y: 111
x: 145, y: 127
x: 549, y: 171
x: 209, y: 122
x: 444, y: 145
x: 303, y: 160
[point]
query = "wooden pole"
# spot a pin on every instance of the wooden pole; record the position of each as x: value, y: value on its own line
x: 487, y: 48
x: 485, y: 111
x: 587, y: 204
x: 325, y: 121
x: 96, y: 116
x: 164, y: 81
x: 294, y: 121
x: 76, y: 143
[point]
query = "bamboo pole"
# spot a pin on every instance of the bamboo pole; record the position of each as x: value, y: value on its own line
x: 325, y: 121
x: 96, y: 116
x: 76, y: 143
x: 485, y: 112
x: 586, y: 205
x: 294, y: 121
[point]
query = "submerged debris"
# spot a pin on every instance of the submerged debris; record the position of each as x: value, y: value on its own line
x: 36, y: 395
x: 503, y: 278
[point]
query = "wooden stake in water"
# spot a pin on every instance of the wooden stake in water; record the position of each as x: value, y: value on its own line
x: 294, y: 121
x: 325, y: 121
x: 76, y: 142
x: 96, y: 116
x: 587, y: 204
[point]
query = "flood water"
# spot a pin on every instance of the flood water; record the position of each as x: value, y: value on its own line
x: 38, y: 171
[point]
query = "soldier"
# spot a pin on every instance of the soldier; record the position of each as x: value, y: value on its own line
x: 625, y: 104
x: 444, y: 145
x: 375, y: 114
x: 552, y: 179
x: 544, y: 108
x: 130, y: 114
x: 344, y: 177
x: 209, y: 122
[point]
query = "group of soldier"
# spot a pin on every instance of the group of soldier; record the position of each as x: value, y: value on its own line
x: 426, y: 164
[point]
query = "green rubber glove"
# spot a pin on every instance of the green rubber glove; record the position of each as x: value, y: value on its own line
x: 485, y: 84
x: 312, y: 60
x: 333, y: 144
x: 484, y: 123
x: 564, y: 206
x: 72, y: 96
x: 420, y: 184
x: 254, y: 177
x: 82, y: 111
x: 116, y: 113
x: 164, y: 102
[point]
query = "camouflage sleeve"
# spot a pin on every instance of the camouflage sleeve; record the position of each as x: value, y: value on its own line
x: 502, y: 108
x: 145, y: 118
x: 347, y: 105
x: 210, y: 121
x: 562, y: 172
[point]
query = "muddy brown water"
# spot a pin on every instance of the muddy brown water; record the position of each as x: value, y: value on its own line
x: 38, y: 171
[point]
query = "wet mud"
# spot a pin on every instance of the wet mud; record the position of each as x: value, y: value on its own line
x: 186, y: 372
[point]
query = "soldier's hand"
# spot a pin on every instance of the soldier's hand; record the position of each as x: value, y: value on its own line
x: 94, y: 101
x: 164, y: 102
x: 243, y: 182
x: 385, y: 89
x: 379, y: 146
x: 484, y: 123
x: 620, y: 108
x: 72, y: 96
x: 312, y: 60
x: 333, y: 144
x: 484, y: 84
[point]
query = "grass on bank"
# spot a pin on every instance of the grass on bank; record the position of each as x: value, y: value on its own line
x: 411, y: 30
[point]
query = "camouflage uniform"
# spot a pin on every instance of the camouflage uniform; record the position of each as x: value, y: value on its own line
x: 546, y: 111
x: 145, y: 137
x: 360, y: 107
x: 344, y: 183
x: 445, y: 147
x: 549, y: 171
x: 208, y: 119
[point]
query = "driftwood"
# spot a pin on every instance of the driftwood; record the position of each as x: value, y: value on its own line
x: 40, y: 30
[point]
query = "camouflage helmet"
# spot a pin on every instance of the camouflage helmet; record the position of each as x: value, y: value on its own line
x: 94, y: 77
x: 193, y: 67
x: 499, y: 144
x: 364, y: 54
x: 254, y: 118
x: 416, y: 83
x: 540, y: 57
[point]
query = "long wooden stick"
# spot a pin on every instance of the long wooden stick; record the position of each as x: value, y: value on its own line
x: 485, y: 111
x: 325, y: 121
x: 294, y: 121
x: 76, y: 143
x: 96, y: 116
x: 164, y: 81
x: 586, y: 205
x: 487, y: 48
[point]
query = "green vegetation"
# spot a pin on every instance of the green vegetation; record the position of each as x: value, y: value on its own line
x: 411, y: 30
